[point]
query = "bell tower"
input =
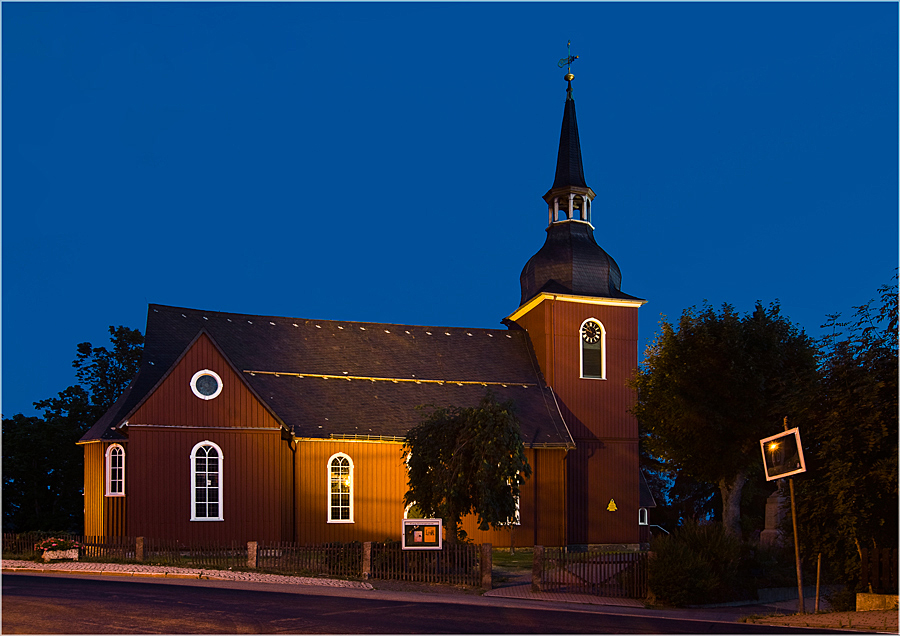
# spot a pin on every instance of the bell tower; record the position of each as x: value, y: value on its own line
x: 584, y: 332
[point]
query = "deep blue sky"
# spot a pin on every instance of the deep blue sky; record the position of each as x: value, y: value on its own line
x: 385, y: 162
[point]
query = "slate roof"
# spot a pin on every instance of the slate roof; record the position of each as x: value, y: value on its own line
x: 324, y: 378
x: 571, y: 262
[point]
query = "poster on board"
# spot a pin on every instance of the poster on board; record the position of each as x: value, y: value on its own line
x: 422, y: 534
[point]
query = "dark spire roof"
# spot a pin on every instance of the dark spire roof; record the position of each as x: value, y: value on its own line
x: 571, y: 262
x: 569, y: 170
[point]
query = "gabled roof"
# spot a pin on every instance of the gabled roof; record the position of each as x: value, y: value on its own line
x: 325, y: 378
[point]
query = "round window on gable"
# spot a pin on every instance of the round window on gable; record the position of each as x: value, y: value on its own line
x: 206, y: 384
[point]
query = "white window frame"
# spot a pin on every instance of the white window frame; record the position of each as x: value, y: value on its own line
x: 194, y: 450
x: 643, y: 519
x: 199, y: 375
x: 602, y: 351
x: 328, y: 492
x: 119, y: 450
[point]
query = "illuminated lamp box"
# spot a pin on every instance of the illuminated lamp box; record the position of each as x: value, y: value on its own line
x: 422, y: 534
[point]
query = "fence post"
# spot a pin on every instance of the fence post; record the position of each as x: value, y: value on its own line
x: 367, y: 560
x: 486, y: 566
x: 537, y: 568
x: 139, y: 549
x: 251, y: 554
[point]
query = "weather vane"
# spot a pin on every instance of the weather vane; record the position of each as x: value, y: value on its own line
x: 567, y: 61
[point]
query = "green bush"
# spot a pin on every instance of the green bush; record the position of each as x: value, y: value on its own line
x: 696, y: 565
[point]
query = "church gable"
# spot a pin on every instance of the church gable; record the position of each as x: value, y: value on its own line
x: 202, y: 389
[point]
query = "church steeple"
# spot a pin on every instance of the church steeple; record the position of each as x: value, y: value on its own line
x: 569, y: 197
x: 571, y: 262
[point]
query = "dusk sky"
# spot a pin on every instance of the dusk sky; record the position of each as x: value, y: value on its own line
x: 386, y: 162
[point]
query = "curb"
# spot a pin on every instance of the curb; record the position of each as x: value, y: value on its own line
x: 167, y: 575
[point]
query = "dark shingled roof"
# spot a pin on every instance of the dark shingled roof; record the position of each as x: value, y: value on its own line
x: 571, y: 262
x: 392, y: 369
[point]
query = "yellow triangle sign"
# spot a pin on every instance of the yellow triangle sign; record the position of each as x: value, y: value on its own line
x: 612, y: 505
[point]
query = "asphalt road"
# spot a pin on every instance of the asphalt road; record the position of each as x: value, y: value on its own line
x: 35, y: 604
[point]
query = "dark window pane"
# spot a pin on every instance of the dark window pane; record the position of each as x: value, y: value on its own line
x: 206, y: 385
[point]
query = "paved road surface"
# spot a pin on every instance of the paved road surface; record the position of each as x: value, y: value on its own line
x: 79, y: 605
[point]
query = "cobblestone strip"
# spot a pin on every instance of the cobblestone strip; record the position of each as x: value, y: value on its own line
x: 123, y: 569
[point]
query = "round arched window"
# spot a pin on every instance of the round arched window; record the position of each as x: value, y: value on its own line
x: 206, y: 384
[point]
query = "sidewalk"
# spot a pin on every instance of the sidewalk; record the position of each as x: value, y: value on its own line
x: 779, y: 613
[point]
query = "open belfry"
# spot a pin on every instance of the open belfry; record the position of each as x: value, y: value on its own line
x: 243, y: 427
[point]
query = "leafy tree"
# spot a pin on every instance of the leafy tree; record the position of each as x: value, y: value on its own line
x: 711, y: 387
x: 847, y: 499
x: 465, y: 460
x: 43, y: 468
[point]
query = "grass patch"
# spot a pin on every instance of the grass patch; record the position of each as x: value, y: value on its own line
x: 523, y: 558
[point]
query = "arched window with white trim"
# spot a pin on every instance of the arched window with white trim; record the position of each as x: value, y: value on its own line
x: 115, y: 471
x: 340, y: 488
x: 206, y: 482
x: 593, y: 349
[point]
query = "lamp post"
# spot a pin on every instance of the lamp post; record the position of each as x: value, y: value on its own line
x: 800, y: 606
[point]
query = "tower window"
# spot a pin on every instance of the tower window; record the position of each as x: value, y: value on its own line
x: 593, y: 349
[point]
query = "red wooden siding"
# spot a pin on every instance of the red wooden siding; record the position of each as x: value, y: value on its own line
x: 174, y: 402
x: 255, y: 504
x: 103, y: 516
x: 256, y: 463
x: 604, y: 464
x: 599, y: 472
x: 592, y: 408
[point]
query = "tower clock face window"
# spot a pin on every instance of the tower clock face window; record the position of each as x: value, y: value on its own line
x: 591, y: 332
x: 593, y: 350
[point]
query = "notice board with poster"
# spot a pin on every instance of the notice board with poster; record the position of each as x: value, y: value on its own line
x: 422, y: 534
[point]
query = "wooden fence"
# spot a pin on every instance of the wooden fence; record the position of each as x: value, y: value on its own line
x: 22, y: 545
x: 332, y: 559
x: 878, y: 569
x: 456, y: 564
x: 617, y: 574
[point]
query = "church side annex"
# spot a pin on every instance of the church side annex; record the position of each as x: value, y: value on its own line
x: 267, y: 428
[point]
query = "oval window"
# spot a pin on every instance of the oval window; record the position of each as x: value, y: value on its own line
x: 206, y: 384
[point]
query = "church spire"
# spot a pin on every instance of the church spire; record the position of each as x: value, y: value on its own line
x: 570, y: 197
x: 571, y: 262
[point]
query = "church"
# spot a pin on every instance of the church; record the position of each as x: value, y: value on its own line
x: 269, y: 428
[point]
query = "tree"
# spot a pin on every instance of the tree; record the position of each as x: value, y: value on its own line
x: 712, y: 387
x: 465, y: 460
x: 43, y: 468
x: 847, y: 499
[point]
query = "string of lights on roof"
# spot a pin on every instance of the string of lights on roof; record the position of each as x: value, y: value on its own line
x: 345, y: 376
x: 341, y: 327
